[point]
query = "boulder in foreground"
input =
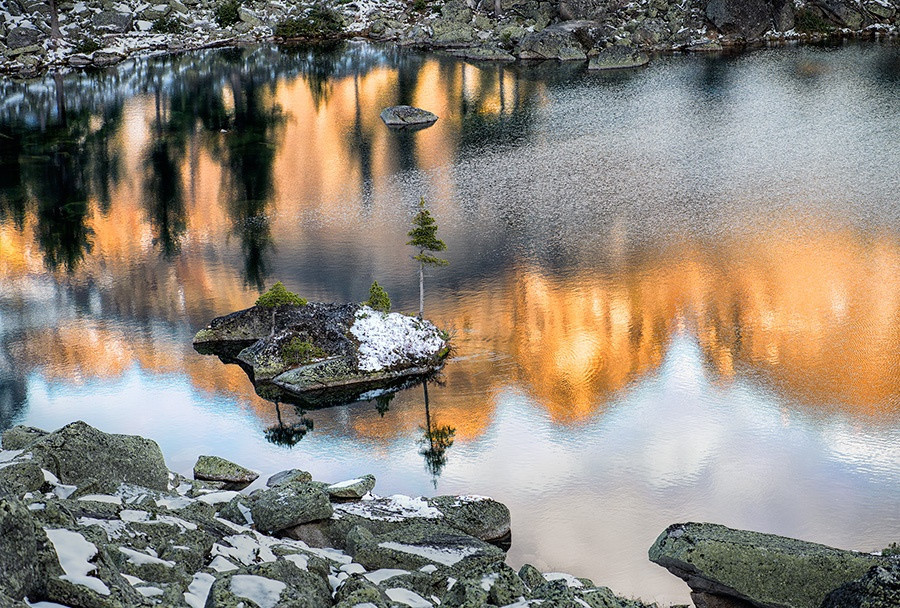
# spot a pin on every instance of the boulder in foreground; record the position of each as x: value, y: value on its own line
x: 407, y: 116
x: 756, y: 569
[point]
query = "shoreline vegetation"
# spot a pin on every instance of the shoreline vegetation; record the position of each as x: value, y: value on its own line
x: 37, y: 36
x: 96, y: 520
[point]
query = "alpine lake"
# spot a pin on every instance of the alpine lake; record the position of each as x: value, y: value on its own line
x: 673, y: 292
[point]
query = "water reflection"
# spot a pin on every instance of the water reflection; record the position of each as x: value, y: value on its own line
x: 663, y: 284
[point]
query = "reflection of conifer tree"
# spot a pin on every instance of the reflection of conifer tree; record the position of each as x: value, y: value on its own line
x: 163, y: 196
x: 250, y: 156
x: 12, y: 191
x: 435, y: 442
x: 59, y: 187
x: 104, y: 157
x: 383, y: 403
x: 288, y: 435
x: 361, y: 147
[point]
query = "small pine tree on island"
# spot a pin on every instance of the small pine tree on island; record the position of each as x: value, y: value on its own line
x: 424, y: 238
x: 378, y: 298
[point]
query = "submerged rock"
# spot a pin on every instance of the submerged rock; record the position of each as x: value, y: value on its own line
x: 214, y: 468
x: 763, y: 570
x: 407, y: 116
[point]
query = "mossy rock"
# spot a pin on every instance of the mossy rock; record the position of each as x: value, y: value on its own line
x: 764, y: 569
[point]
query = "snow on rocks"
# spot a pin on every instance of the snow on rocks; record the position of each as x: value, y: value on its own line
x: 389, y: 339
x: 139, y: 546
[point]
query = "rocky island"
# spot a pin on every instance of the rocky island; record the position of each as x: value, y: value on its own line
x: 96, y: 520
x: 325, y: 353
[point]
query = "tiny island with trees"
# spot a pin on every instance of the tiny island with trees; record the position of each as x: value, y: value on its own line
x: 320, y: 354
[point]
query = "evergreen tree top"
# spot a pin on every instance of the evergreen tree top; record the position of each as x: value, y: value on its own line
x: 424, y: 233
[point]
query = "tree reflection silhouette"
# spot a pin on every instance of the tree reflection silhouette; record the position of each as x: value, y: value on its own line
x: 285, y: 435
x: 435, y: 442
x: 163, y: 193
x: 250, y: 155
x: 13, y: 198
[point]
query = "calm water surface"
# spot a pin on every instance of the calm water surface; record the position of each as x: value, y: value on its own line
x: 674, y: 292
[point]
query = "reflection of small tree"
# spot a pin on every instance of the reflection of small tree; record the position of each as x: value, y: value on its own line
x: 383, y: 403
x: 281, y: 434
x: 424, y: 238
x: 435, y: 442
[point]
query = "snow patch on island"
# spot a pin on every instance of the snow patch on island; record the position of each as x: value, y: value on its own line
x: 387, y: 339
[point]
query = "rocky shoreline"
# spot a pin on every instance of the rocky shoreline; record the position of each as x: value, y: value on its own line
x: 607, y: 33
x: 96, y: 520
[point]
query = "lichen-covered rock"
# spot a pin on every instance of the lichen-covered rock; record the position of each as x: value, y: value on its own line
x: 764, y: 569
x: 618, y: 57
x: 20, y: 476
x: 352, y: 488
x: 554, y: 42
x: 289, y: 505
x: 215, y: 468
x: 482, y: 517
x: 113, y: 21
x: 407, y: 116
x: 531, y: 576
x: 18, y: 549
x: 878, y: 588
x: 20, y: 437
x: 23, y: 36
x: 288, y: 476
x: 418, y: 544
x: 78, y: 453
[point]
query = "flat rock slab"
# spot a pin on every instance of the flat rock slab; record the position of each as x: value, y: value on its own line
x: 214, y: 468
x: 764, y: 570
x: 352, y: 488
x: 407, y: 116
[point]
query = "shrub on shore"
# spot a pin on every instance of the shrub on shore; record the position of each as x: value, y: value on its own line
x: 319, y: 22
x: 378, y: 298
x: 228, y: 13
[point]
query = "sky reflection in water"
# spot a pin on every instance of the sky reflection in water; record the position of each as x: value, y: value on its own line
x: 674, y: 292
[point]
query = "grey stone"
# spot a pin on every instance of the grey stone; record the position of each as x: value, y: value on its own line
x: 104, y: 58
x: 416, y: 545
x: 288, y: 476
x: 113, y: 21
x: 78, y: 452
x: 352, y: 488
x: 618, y: 57
x: 215, y: 468
x: 842, y: 12
x: 249, y: 17
x: 554, y: 42
x: 531, y: 576
x: 483, y: 518
x: 237, y: 510
x: 407, y: 116
x: 20, y: 437
x: 764, y: 569
x: 20, y: 477
x: 18, y: 549
x: 157, y: 11
x: 23, y: 36
x: 289, y: 505
x: 878, y: 588
x: 300, y: 589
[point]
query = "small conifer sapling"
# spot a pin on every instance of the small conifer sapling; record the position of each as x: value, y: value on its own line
x: 424, y: 238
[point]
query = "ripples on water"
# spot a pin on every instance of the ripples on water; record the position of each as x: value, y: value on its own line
x: 673, y: 292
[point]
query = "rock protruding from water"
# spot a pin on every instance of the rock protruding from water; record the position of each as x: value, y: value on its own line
x: 325, y: 353
x: 407, y: 116
x: 215, y: 468
x: 762, y: 570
